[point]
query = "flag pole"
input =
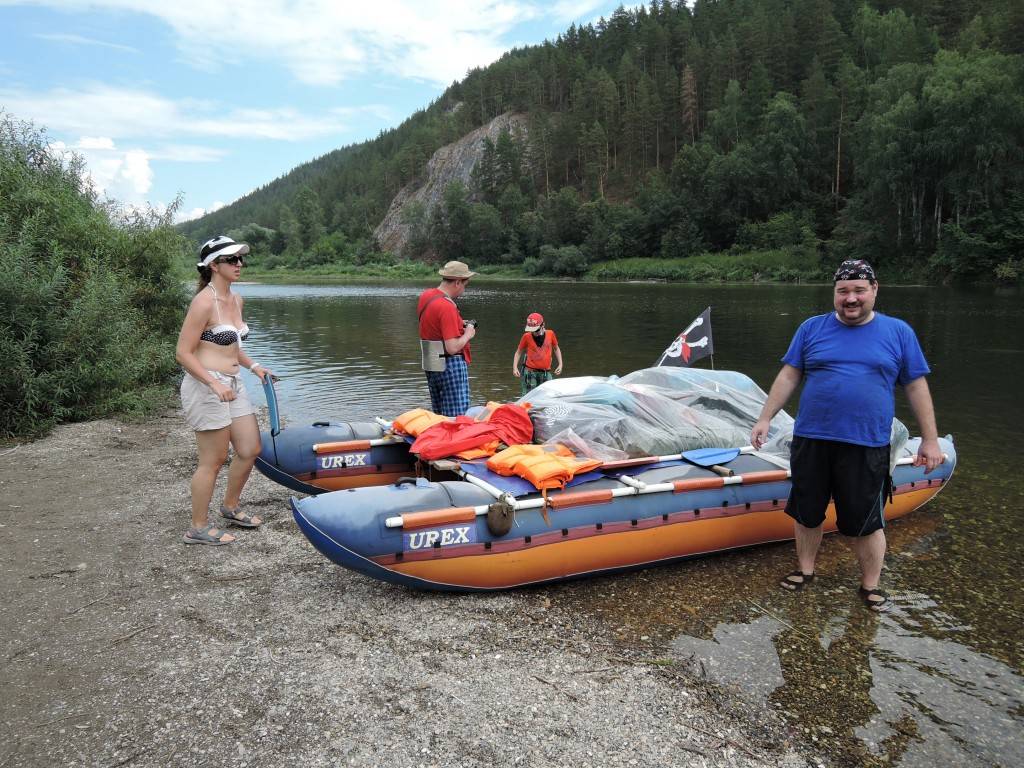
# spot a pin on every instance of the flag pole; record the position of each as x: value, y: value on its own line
x: 712, y: 355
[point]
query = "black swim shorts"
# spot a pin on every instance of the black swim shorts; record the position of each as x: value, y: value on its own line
x: 855, y: 476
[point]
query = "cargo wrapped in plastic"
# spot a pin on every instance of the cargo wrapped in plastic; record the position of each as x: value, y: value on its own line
x: 660, y: 411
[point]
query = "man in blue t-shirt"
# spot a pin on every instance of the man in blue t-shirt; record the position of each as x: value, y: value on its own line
x: 850, y: 361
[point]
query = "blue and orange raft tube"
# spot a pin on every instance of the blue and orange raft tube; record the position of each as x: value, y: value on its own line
x: 485, y: 532
x: 330, y: 455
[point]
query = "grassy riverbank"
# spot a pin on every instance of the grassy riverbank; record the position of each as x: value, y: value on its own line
x: 777, y: 266
x: 773, y: 266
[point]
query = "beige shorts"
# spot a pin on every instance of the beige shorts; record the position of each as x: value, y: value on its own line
x: 205, y: 411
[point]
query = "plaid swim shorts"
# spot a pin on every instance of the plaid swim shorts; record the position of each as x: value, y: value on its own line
x: 449, y: 389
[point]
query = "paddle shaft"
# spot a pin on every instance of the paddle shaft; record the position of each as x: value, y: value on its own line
x: 640, y: 461
x: 633, y: 488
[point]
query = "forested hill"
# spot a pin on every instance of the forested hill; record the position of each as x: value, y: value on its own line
x: 791, y: 132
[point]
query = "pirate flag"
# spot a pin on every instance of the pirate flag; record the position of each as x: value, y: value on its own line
x: 692, y: 344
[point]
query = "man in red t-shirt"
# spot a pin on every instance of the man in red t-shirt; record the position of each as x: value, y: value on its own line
x: 440, y: 320
x: 540, y: 345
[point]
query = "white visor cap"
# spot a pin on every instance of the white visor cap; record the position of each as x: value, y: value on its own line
x: 219, y: 246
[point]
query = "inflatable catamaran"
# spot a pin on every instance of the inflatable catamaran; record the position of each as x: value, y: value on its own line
x: 330, y: 455
x: 637, y: 506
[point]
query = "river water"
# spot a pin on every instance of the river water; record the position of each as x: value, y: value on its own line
x: 935, y: 680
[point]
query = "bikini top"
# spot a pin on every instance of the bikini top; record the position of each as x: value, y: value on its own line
x: 223, y: 334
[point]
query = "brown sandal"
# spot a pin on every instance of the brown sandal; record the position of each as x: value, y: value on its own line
x: 873, y: 604
x: 789, y: 581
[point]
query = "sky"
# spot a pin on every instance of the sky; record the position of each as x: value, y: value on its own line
x: 209, y: 99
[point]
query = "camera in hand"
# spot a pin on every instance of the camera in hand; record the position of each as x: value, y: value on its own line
x: 469, y: 322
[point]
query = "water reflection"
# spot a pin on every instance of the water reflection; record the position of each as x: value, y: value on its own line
x: 937, y: 680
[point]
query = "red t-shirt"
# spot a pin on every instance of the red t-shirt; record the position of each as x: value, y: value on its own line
x: 441, y: 320
x: 538, y: 358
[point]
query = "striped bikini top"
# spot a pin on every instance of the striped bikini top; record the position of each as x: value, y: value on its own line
x: 223, y: 334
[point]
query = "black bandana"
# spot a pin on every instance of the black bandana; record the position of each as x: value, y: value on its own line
x: 855, y: 269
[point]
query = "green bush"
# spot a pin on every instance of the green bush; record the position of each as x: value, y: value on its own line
x: 91, y: 296
x: 778, y: 265
x: 570, y: 262
x: 567, y: 261
x: 1010, y: 271
x: 327, y: 250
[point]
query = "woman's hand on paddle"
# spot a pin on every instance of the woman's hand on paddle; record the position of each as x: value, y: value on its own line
x: 225, y: 393
x: 261, y: 373
x: 759, y: 434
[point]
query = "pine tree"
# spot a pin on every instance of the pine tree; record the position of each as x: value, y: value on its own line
x: 691, y: 115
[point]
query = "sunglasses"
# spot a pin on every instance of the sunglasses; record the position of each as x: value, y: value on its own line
x: 232, y: 260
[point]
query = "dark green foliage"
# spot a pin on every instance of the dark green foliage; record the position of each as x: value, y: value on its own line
x: 747, y: 266
x: 567, y: 261
x: 91, y: 298
x: 985, y: 244
x: 893, y: 127
x: 942, y: 151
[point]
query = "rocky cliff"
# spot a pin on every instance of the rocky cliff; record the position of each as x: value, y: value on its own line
x: 453, y: 162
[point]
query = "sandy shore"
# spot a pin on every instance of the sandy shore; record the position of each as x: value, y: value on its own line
x: 124, y: 647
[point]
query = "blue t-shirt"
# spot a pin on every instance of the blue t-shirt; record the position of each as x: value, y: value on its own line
x: 849, y: 374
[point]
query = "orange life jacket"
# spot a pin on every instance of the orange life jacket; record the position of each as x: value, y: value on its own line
x: 416, y: 421
x: 538, y: 357
x: 544, y: 466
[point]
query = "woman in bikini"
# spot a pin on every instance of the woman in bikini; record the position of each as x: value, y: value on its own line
x: 213, y: 396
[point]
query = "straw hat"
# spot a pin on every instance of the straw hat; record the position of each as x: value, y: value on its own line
x: 456, y: 270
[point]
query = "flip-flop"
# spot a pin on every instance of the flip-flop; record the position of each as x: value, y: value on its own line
x: 237, y: 517
x: 206, y: 536
x: 789, y: 581
x: 874, y: 605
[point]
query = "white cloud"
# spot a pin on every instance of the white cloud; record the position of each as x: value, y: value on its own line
x: 323, y: 42
x: 188, y: 153
x: 570, y: 10
x: 121, y: 174
x: 195, y: 213
x: 135, y: 171
x: 326, y: 41
x: 95, y: 142
x: 58, y: 37
x: 121, y: 129
x: 124, y: 112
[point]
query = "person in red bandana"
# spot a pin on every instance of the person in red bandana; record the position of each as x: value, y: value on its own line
x: 849, y: 362
x: 539, y: 346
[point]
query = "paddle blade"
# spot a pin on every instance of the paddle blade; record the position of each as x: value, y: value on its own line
x: 271, y: 395
x: 705, y: 457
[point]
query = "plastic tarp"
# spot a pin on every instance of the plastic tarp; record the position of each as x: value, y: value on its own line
x: 663, y: 410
